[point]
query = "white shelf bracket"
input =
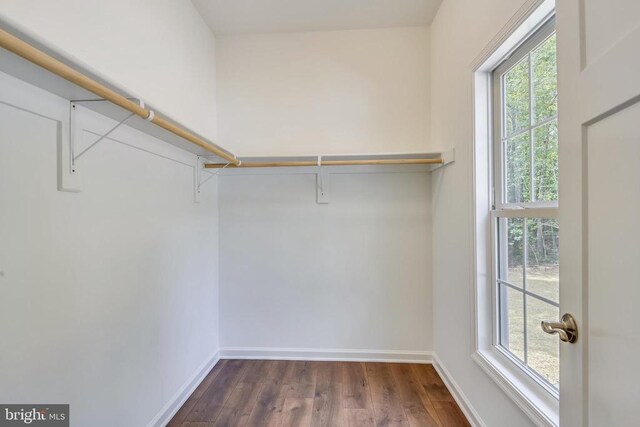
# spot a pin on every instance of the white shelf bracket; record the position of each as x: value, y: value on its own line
x: 94, y: 143
x: 198, y: 170
x: 322, y: 184
x: 202, y: 176
x: 76, y: 154
x: 448, y: 157
x: 70, y: 177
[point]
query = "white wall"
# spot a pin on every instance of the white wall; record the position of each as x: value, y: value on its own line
x: 460, y: 32
x: 324, y: 92
x: 159, y: 49
x: 351, y: 274
x: 109, y: 296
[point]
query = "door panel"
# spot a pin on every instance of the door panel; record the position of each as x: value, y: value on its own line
x: 613, y: 233
x: 608, y: 22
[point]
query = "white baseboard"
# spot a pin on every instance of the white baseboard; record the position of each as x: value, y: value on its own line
x: 175, y: 403
x: 462, y: 401
x: 342, y: 355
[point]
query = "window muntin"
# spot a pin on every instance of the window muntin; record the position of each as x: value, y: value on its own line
x: 525, y: 201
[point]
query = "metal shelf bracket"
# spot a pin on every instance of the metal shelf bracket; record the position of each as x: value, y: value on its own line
x: 69, y: 151
x: 448, y: 157
x: 202, y: 176
x: 322, y: 184
x: 74, y: 136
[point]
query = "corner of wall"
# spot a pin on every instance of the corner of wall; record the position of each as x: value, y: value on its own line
x: 180, y: 397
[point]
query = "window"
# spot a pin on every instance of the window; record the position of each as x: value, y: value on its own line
x: 515, y: 212
x: 524, y: 206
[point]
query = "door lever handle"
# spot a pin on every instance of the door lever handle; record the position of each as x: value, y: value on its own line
x: 566, y: 328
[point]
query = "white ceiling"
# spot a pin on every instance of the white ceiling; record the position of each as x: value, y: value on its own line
x: 268, y: 16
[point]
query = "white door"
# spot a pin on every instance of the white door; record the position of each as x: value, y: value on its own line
x: 599, y: 129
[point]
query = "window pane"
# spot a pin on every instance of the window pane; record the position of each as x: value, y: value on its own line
x: 516, y: 98
x: 542, y: 257
x: 518, y: 169
x: 542, y: 348
x: 545, y: 92
x: 546, y: 161
x: 512, y: 251
x: 512, y: 321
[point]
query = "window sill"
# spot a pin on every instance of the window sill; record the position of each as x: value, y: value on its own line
x: 540, y: 406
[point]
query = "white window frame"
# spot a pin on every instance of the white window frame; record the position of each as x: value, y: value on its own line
x: 505, y: 209
x: 536, y: 398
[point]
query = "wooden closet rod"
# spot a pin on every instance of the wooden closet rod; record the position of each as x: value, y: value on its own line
x: 437, y: 161
x: 30, y: 53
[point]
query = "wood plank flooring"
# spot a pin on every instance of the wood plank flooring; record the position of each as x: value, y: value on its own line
x: 261, y: 393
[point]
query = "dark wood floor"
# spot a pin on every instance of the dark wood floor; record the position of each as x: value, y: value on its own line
x: 295, y: 393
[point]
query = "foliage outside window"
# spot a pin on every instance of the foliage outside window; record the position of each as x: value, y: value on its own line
x: 525, y: 205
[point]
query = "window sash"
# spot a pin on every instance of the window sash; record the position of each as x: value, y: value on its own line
x: 499, y: 199
x: 496, y: 283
